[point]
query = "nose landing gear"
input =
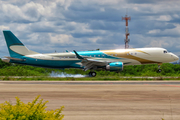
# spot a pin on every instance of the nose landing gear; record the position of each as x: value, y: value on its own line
x: 159, y: 70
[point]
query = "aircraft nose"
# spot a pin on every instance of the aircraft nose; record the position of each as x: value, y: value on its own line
x: 176, y: 57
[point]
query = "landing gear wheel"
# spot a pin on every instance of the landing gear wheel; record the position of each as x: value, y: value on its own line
x: 92, y: 74
x: 159, y: 70
x: 89, y: 74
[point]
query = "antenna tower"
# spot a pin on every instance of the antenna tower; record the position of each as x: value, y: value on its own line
x: 127, y: 31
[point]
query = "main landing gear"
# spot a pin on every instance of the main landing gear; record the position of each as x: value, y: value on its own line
x: 92, y: 74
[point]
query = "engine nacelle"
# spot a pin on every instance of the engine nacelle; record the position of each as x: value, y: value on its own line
x: 115, y: 66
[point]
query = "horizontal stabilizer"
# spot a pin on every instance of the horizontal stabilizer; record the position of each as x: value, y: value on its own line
x: 17, y: 59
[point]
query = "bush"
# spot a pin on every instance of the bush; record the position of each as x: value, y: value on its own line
x: 29, y: 111
x: 4, y: 64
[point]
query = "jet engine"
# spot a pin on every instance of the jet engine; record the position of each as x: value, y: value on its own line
x: 115, y: 66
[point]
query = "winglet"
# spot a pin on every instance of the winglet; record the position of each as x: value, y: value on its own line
x: 78, y: 56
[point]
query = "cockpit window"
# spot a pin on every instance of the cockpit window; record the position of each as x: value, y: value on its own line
x: 165, y: 51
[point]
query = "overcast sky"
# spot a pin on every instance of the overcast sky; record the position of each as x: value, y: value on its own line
x: 48, y: 25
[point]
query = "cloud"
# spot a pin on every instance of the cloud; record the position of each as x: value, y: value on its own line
x: 45, y: 26
x: 175, y: 32
x: 149, y: 1
x: 2, y: 27
x: 61, y: 39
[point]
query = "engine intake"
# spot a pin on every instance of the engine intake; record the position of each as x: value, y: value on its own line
x: 115, y: 66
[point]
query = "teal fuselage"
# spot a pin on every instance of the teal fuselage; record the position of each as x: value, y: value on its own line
x: 62, y: 60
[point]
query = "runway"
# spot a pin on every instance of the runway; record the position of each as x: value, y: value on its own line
x: 98, y: 100
x: 93, y: 82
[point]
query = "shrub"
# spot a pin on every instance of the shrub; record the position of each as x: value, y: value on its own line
x: 29, y: 111
x: 4, y: 64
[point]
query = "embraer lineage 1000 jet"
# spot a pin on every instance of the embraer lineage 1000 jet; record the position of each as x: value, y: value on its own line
x: 112, y: 60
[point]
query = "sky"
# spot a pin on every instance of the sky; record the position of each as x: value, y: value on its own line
x: 46, y: 26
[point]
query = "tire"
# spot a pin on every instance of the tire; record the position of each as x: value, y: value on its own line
x: 92, y: 74
x: 159, y: 70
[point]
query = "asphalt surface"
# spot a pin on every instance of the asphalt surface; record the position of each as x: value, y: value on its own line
x: 96, y: 100
x: 94, y: 82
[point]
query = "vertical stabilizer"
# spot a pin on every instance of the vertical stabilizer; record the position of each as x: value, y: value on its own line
x: 15, y: 47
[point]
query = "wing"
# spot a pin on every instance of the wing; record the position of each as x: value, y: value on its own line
x: 91, y: 63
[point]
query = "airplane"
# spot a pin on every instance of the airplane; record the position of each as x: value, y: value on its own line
x: 112, y: 60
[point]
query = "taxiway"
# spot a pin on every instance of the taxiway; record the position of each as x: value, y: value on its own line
x: 135, y: 100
